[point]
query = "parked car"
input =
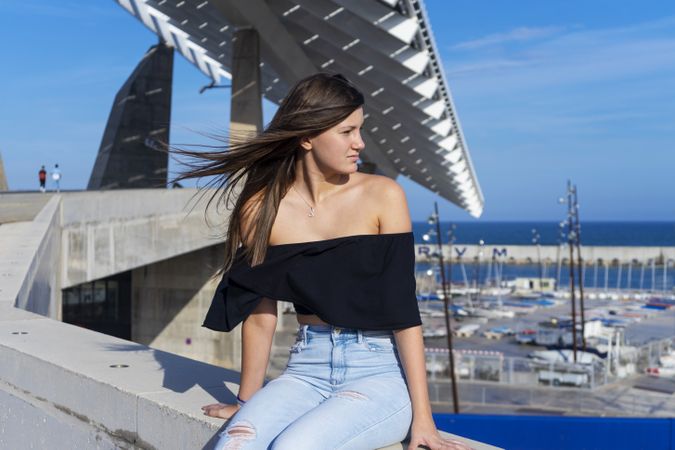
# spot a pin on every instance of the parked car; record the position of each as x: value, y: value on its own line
x: 498, y: 332
x: 557, y: 378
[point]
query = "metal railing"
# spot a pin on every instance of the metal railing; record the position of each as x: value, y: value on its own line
x: 494, y: 367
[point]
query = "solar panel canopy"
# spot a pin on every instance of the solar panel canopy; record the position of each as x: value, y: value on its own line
x: 385, y: 47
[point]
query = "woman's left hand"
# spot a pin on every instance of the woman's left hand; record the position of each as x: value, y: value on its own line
x: 425, y: 435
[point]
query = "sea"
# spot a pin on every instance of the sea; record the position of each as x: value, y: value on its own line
x: 619, y: 234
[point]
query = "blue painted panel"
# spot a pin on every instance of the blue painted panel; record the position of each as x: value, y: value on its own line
x: 562, y: 433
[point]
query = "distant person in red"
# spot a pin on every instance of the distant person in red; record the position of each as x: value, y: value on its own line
x: 42, y: 175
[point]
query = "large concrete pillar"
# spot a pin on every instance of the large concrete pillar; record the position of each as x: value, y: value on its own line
x: 246, y: 106
x: 138, y: 123
x: 3, y: 177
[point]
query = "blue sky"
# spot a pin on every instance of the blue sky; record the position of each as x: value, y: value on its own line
x: 545, y: 91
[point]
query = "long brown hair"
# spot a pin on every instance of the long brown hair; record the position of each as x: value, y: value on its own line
x: 265, y: 163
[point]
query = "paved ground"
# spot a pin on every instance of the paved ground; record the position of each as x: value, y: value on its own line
x: 660, y: 326
x: 21, y: 206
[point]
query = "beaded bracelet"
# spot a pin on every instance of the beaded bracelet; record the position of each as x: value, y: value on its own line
x: 240, y: 402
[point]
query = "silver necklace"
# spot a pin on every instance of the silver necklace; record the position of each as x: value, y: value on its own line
x: 312, y: 212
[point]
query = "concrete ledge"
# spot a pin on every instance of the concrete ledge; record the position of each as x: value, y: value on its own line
x: 29, y: 265
x: 153, y: 403
x: 124, y: 204
x: 22, y: 206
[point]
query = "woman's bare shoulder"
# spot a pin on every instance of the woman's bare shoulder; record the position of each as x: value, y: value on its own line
x: 389, y: 200
x: 381, y: 186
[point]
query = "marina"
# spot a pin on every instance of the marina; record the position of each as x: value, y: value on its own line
x: 539, y: 318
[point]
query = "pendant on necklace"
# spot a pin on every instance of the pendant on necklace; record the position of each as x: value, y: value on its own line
x: 311, y: 212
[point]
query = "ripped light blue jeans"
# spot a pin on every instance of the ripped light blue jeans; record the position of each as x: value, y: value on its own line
x: 342, y: 389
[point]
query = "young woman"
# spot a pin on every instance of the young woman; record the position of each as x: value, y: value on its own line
x: 307, y: 227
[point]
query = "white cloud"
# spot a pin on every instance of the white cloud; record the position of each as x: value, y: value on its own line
x: 519, y: 34
x: 482, y: 66
x: 575, y: 57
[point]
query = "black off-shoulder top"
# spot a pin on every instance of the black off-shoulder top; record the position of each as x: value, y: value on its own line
x: 364, y: 282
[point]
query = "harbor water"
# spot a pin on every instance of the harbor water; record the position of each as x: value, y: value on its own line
x: 619, y: 234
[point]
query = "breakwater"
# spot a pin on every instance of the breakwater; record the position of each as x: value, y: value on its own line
x: 529, y: 254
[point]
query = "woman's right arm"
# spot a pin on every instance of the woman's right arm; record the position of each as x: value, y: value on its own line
x: 257, y: 333
x: 258, y: 328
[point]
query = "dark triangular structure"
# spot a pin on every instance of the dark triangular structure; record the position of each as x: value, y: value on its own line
x: 138, y: 124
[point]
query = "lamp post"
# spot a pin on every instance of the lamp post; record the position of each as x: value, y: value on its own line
x: 435, y: 220
x: 536, y: 240
x: 571, y: 236
x: 451, y: 241
x: 580, y: 265
x: 474, y: 297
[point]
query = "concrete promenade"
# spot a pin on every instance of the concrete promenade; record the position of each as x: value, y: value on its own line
x: 66, y: 387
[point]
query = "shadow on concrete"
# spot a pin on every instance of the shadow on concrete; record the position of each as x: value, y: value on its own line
x: 182, y: 374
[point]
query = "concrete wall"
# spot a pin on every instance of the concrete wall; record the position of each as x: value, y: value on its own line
x: 169, y: 302
x: 114, y: 231
x: 47, y: 421
x: 31, y: 260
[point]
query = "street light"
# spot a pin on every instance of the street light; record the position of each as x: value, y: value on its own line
x: 580, y: 264
x: 427, y: 236
x: 476, y: 275
x: 435, y: 220
x: 574, y: 241
x: 451, y: 241
x: 536, y: 241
